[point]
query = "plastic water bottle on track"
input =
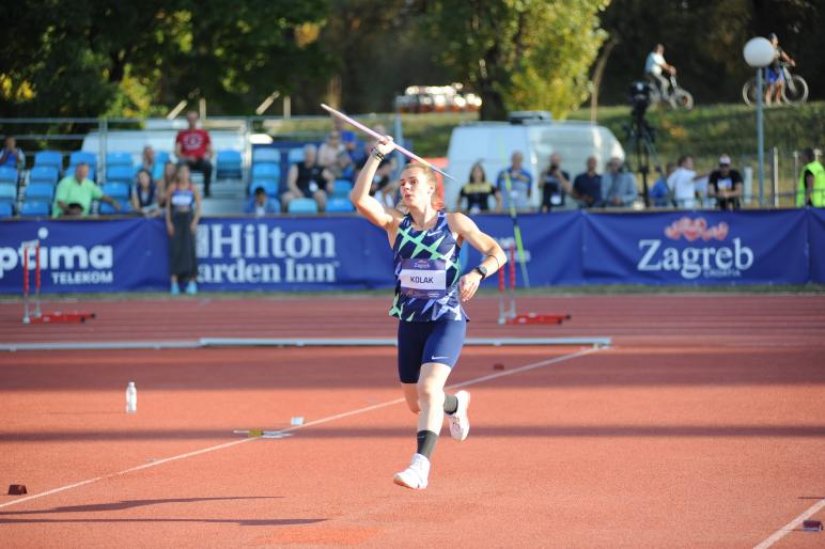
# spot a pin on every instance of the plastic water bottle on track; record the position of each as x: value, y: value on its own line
x: 131, y: 398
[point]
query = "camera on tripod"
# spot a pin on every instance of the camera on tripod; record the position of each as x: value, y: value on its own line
x: 639, y: 98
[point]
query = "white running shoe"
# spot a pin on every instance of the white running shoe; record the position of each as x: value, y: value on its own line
x: 459, y: 421
x: 414, y: 476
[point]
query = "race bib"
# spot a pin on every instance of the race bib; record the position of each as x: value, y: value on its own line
x: 423, y: 278
x: 725, y: 183
x: 181, y: 200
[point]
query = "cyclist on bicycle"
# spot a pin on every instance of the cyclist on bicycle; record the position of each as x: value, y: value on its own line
x: 655, y: 65
x: 774, y: 75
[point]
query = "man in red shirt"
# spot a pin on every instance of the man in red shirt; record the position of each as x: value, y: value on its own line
x: 193, y: 147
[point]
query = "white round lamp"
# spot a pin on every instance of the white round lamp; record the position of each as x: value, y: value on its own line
x: 759, y: 52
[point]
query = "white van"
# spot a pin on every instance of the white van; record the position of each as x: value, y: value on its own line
x: 493, y: 143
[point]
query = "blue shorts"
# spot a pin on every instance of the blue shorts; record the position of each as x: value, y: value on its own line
x: 423, y: 342
x: 772, y: 76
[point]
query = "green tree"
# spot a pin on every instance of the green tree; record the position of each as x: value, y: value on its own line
x: 520, y: 54
x: 93, y: 57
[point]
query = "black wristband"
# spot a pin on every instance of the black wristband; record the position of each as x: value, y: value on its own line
x: 377, y: 154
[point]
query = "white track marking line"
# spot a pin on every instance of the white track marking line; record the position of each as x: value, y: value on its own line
x: 791, y: 526
x: 328, y: 419
x: 126, y: 471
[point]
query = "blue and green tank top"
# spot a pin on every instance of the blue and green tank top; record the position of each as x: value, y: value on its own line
x: 426, y: 272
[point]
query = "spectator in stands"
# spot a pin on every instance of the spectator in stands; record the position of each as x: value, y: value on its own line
x: 182, y: 215
x: 618, y: 185
x: 144, y: 195
x: 587, y: 187
x: 307, y: 179
x: 383, y: 188
x: 12, y: 156
x: 515, y: 183
x: 682, y: 183
x: 75, y: 193
x: 811, y: 188
x: 726, y: 185
x: 330, y: 149
x: 343, y: 168
x: 166, y: 181
x: 554, y: 184
x: 148, y: 159
x: 476, y: 193
x: 193, y: 147
x: 660, y: 193
x: 350, y: 141
x: 260, y: 204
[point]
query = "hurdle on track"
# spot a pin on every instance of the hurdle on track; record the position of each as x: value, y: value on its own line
x: 507, y: 299
x: 28, y: 247
x: 32, y: 314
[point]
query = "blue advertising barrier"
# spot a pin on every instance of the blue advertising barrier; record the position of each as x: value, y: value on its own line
x: 324, y: 253
x: 697, y: 248
x: 86, y: 256
x: 816, y: 244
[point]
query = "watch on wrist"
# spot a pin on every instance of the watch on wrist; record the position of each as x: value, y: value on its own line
x: 482, y: 270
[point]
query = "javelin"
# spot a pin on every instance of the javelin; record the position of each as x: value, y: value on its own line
x: 375, y: 134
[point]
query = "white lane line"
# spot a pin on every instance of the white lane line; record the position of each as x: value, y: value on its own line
x: 328, y: 419
x: 475, y: 381
x: 126, y: 471
x: 791, y: 526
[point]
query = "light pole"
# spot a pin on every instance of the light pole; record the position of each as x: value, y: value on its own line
x: 759, y: 53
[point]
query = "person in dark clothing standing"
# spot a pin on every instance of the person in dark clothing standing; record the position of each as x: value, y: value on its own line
x: 554, y: 184
x: 726, y: 185
x: 182, y: 216
x: 587, y: 187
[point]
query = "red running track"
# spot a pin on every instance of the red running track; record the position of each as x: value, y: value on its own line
x: 701, y: 428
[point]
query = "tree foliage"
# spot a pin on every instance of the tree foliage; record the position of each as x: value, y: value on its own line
x: 92, y: 57
x: 111, y: 57
x: 704, y: 39
x: 520, y: 54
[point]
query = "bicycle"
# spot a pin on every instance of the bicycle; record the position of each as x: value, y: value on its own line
x: 794, y: 92
x: 676, y: 97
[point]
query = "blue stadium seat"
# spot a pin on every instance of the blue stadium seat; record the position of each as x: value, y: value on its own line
x: 341, y: 188
x: 43, y: 174
x: 78, y: 157
x: 266, y: 155
x: 269, y: 172
x: 295, y: 155
x: 49, y: 158
x: 120, y: 174
x: 104, y: 208
x: 6, y: 209
x: 117, y: 158
x: 117, y: 190
x: 8, y: 192
x: 39, y: 191
x: 228, y: 165
x: 269, y: 186
x: 339, y: 205
x: 35, y: 208
x: 302, y: 206
x: 8, y: 175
